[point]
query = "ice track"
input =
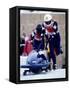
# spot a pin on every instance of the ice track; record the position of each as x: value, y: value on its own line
x: 59, y: 73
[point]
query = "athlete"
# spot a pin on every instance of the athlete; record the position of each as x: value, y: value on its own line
x: 53, y: 38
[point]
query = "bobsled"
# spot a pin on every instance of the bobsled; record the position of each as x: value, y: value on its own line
x: 36, y: 63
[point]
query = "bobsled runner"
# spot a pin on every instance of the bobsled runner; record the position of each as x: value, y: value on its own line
x: 36, y: 69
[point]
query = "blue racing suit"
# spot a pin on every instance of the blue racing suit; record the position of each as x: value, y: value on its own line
x: 53, y: 38
x: 38, y: 41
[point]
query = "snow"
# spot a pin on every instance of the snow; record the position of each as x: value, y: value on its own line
x: 58, y: 73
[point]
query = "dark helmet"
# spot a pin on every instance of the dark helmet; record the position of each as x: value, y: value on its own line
x: 39, y: 28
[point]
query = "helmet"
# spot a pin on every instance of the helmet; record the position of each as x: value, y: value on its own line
x: 39, y: 28
x: 47, y: 17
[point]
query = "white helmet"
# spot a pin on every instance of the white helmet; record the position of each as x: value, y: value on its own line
x: 47, y: 17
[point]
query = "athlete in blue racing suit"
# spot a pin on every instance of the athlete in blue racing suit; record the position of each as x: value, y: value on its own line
x: 37, y: 37
x: 52, y: 37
